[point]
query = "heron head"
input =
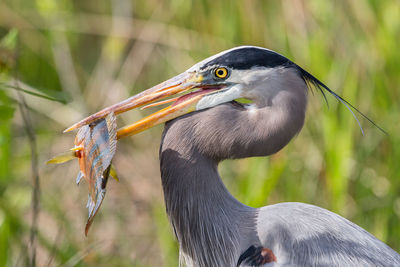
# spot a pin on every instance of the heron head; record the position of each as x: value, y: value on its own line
x: 248, y: 72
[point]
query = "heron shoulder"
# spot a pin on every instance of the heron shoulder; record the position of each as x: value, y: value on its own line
x: 306, y: 235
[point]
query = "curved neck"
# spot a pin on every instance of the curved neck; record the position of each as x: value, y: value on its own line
x: 212, y: 227
x: 208, y: 221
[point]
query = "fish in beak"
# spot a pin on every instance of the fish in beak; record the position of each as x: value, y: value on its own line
x: 95, y: 142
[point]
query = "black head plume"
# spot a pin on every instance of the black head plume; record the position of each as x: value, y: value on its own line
x: 314, y: 82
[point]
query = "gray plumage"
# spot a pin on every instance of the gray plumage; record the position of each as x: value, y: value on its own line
x: 212, y: 227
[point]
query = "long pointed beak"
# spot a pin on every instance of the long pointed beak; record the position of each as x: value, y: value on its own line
x: 184, y: 104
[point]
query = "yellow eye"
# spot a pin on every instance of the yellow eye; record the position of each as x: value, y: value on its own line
x: 221, y: 73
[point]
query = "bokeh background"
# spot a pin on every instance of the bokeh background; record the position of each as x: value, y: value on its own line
x: 61, y: 60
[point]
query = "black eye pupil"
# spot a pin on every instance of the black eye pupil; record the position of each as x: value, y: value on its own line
x: 220, y: 72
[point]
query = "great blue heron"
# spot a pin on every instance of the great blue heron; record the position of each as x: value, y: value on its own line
x: 207, y: 126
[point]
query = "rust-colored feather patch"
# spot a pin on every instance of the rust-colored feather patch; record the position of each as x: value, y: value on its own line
x: 256, y: 256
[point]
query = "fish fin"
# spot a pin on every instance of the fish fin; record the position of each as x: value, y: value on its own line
x: 61, y: 158
x: 79, y: 177
x: 113, y: 174
x: 77, y: 148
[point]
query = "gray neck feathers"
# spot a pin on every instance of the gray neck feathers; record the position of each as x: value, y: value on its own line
x: 208, y: 222
x: 212, y: 227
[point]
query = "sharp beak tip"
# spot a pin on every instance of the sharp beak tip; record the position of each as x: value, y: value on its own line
x: 74, y: 127
x: 70, y: 129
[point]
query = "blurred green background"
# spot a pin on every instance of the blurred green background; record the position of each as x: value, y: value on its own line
x: 62, y: 60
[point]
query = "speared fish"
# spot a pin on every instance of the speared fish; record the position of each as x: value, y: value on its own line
x: 95, y: 146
